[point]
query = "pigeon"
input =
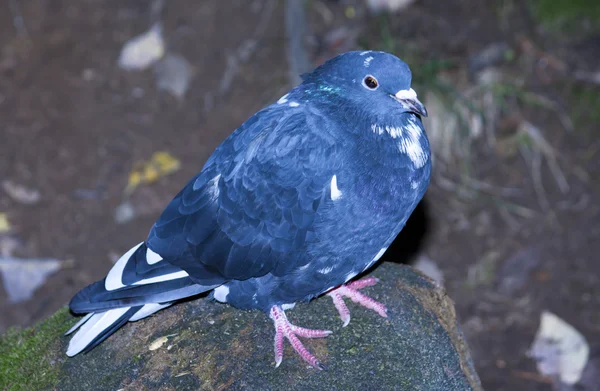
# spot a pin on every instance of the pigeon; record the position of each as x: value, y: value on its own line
x: 304, y: 196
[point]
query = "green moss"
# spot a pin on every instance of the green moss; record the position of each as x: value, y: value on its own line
x: 27, y: 360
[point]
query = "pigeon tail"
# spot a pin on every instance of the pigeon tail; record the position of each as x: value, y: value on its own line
x: 137, y: 286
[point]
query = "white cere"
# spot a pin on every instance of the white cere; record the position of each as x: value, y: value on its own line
x: 409, y: 94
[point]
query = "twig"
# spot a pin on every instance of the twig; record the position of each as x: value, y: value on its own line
x: 549, y: 104
x: 533, y: 376
x: 536, y: 175
x: 589, y: 77
x: 324, y: 11
x: 18, y: 21
x: 295, y: 29
x: 541, y: 144
x: 511, y: 222
x: 559, y: 176
x: 246, y: 49
x: 517, y: 209
x: 476, y: 184
x: 156, y: 11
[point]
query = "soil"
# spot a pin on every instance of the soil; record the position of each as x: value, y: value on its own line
x: 74, y: 124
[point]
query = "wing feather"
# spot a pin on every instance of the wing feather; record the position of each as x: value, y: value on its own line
x: 253, y: 205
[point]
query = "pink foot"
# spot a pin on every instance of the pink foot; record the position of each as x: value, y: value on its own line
x: 351, y: 290
x: 283, y: 328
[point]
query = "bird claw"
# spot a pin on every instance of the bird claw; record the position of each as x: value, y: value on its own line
x: 350, y: 290
x: 283, y: 328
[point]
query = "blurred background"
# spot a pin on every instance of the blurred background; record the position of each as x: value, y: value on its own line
x: 108, y: 108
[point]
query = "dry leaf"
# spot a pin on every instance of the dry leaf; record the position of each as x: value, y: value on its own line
x: 161, y: 164
x: 21, y: 277
x: 4, y: 223
x: 157, y: 343
x: 21, y: 193
x: 142, y: 51
x: 173, y: 74
x: 559, y: 349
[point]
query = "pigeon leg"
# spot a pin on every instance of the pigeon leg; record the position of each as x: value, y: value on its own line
x: 351, y: 291
x: 283, y: 328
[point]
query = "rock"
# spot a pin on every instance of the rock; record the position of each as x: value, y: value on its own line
x: 210, y: 346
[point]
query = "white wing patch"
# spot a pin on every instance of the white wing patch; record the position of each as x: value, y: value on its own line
x: 165, y: 277
x: 152, y: 257
x: 114, y: 278
x: 335, y: 192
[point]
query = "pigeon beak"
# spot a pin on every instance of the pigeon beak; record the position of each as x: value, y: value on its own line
x: 408, y: 100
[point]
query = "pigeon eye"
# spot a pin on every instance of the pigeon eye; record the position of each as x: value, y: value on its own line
x: 370, y: 82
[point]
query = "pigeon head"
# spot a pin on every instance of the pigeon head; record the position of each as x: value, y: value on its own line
x: 378, y: 81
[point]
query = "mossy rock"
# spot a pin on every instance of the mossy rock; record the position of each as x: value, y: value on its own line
x: 203, y: 345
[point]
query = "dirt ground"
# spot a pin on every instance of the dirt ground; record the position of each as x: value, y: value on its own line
x: 510, y: 235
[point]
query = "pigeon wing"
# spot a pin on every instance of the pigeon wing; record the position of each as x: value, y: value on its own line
x: 253, y: 207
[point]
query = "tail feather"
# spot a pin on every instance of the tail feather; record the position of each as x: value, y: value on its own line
x: 80, y: 323
x: 87, y: 301
x: 148, y: 310
x: 98, y: 326
x: 107, y: 331
x: 130, y: 292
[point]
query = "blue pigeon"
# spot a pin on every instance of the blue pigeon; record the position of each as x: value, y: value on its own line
x: 306, y: 194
